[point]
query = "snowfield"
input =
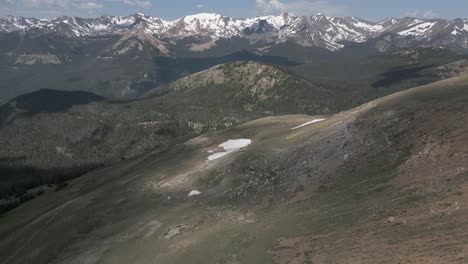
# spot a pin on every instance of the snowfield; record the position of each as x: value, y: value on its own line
x: 229, y: 146
x: 308, y: 123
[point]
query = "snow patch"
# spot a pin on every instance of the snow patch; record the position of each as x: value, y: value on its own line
x: 308, y: 123
x: 230, y: 146
x: 368, y: 27
x: 193, y: 193
x: 418, y: 30
x: 235, y: 144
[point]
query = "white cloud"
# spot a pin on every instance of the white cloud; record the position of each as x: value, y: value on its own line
x: 62, y: 4
x: 142, y: 4
x: 200, y: 6
x: 46, y: 3
x: 50, y: 8
x: 88, y: 5
x: 54, y: 8
x: 300, y: 7
x: 421, y: 14
x: 270, y: 6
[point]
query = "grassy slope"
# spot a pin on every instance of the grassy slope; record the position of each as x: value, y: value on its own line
x: 86, y: 136
x: 381, y: 183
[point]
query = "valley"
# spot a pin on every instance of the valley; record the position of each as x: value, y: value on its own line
x: 121, y: 57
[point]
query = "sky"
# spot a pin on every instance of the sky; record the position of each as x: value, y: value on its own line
x: 373, y: 10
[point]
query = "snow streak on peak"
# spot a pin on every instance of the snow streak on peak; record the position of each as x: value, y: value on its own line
x: 418, y: 28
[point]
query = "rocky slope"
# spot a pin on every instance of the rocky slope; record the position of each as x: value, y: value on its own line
x: 382, y: 183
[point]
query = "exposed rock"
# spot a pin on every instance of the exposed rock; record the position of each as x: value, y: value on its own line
x: 30, y: 59
x: 176, y: 230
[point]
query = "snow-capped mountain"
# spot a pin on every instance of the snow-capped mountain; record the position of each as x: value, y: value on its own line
x: 321, y: 31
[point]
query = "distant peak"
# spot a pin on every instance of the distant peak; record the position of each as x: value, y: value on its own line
x: 288, y: 14
x: 320, y: 16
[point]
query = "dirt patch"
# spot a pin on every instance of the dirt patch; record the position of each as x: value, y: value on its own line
x: 297, y: 250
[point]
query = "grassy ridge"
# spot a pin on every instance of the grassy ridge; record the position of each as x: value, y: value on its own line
x: 360, y: 184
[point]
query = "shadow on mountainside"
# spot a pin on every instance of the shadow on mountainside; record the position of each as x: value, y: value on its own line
x: 399, y: 74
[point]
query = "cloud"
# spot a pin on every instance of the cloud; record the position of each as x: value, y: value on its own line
x: 200, y: 6
x: 270, y: 6
x: 421, y: 14
x: 300, y: 7
x: 54, y: 8
x: 6, y: 7
x: 50, y: 8
x: 88, y: 5
x: 46, y: 3
x: 62, y: 4
x: 138, y: 3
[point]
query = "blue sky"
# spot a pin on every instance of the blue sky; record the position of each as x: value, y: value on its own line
x: 171, y: 9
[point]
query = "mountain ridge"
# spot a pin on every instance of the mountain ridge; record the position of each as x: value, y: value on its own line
x: 309, y: 31
x: 392, y: 171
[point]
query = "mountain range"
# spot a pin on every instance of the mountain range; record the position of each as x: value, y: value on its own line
x: 202, y: 31
x: 123, y: 57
